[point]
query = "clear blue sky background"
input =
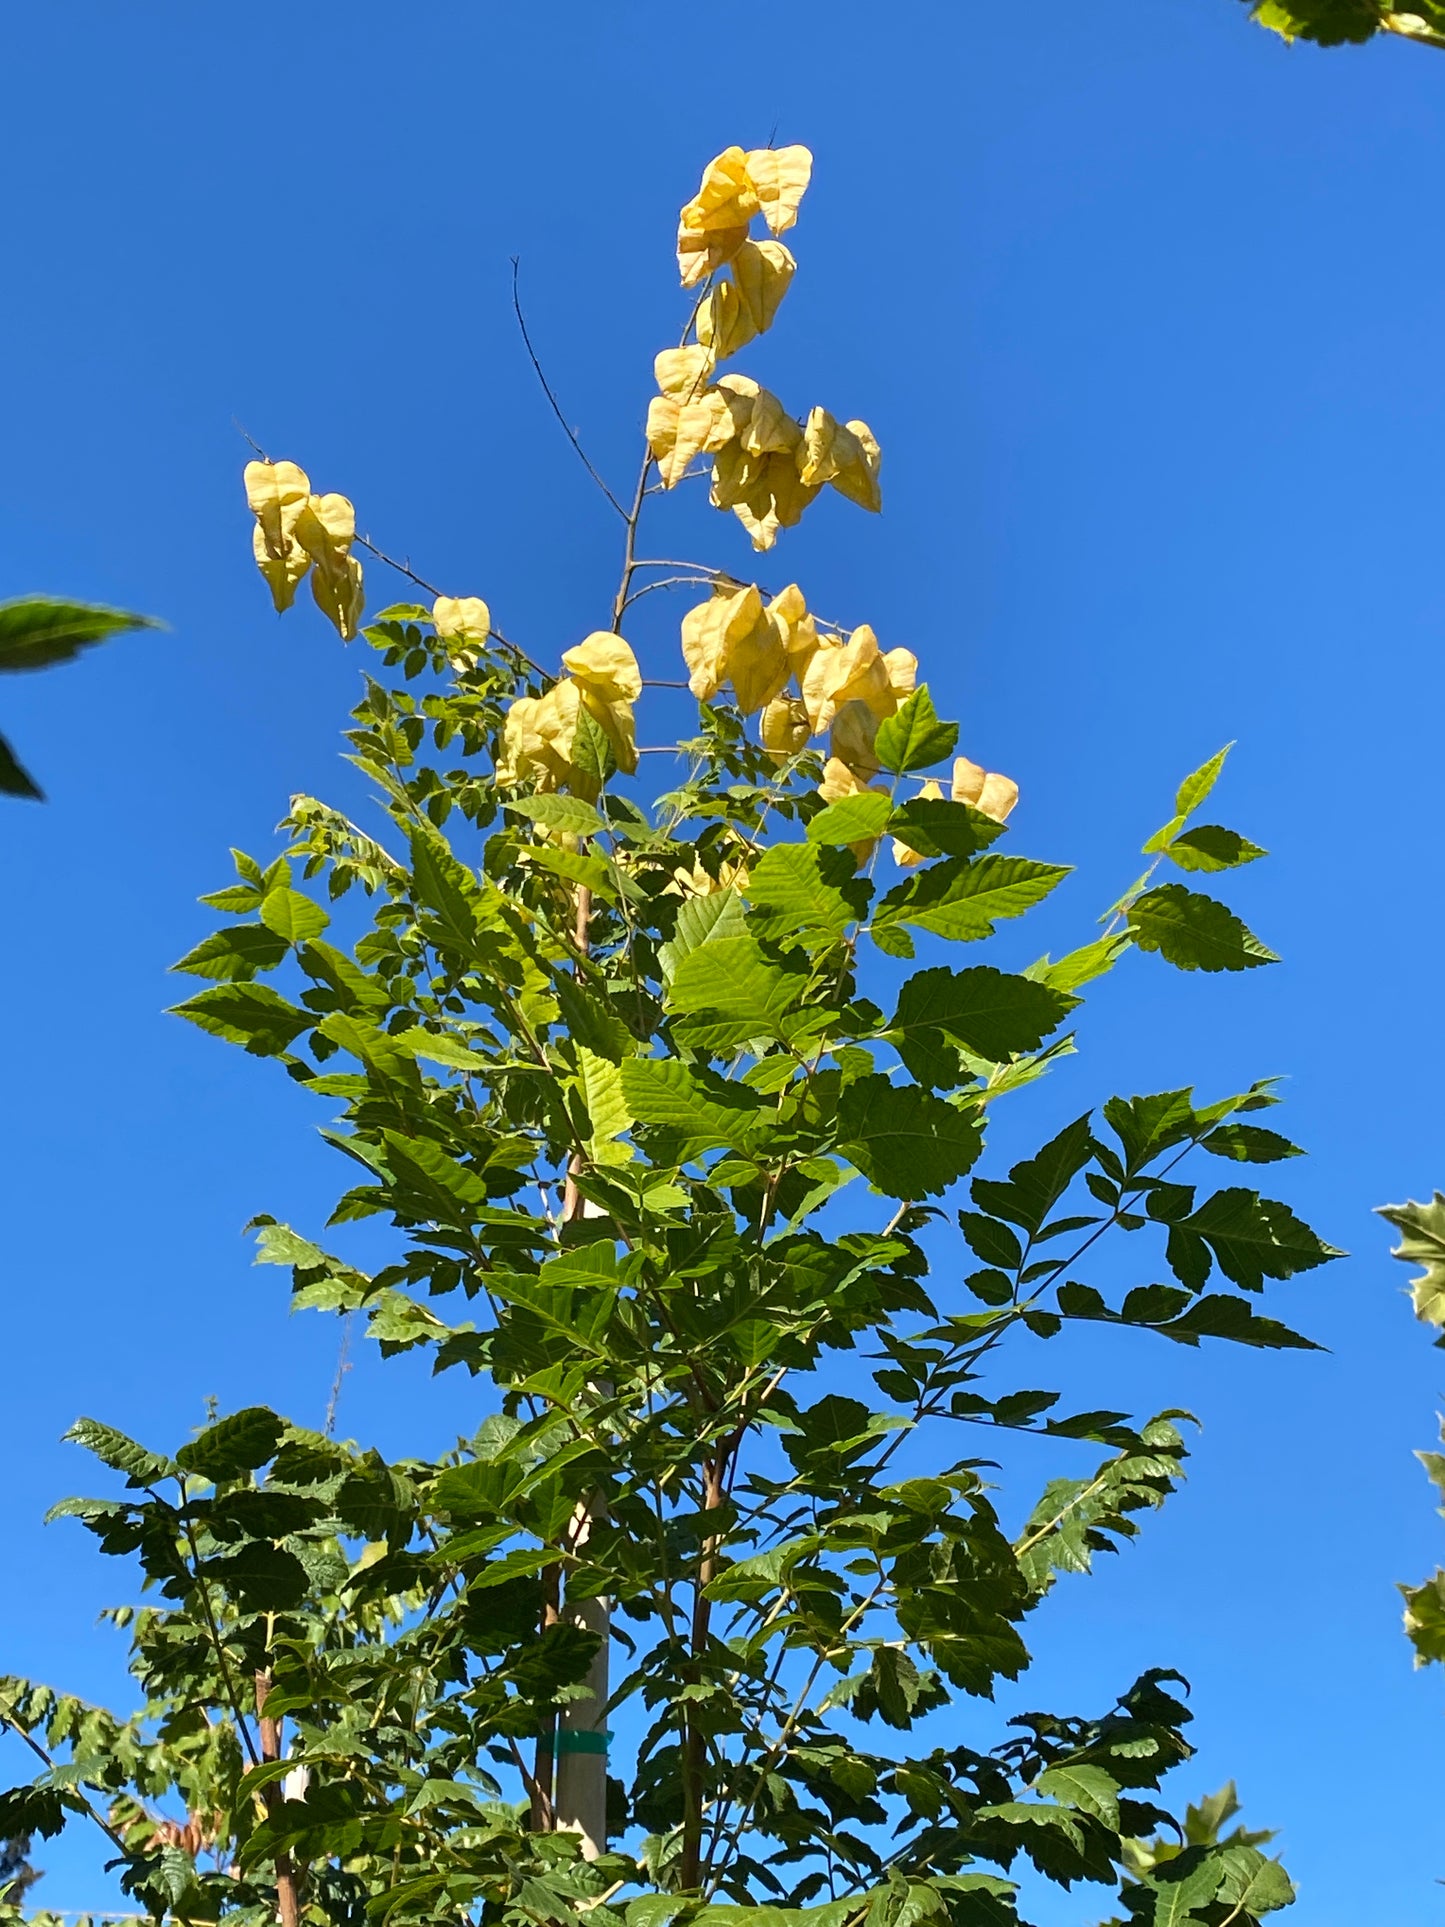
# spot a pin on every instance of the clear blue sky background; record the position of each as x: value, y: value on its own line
x: 1145, y: 310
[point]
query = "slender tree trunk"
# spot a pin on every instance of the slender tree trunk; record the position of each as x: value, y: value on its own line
x: 580, y: 1800
x: 288, y: 1911
x: 581, y: 1729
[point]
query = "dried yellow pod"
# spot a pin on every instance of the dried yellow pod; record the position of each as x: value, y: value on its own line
x: 761, y: 424
x: 985, y: 789
x: 465, y: 620
x: 277, y: 492
x: 723, y: 322
x: 714, y: 224
x: 903, y: 856
x: 340, y: 595
x: 683, y: 372
x: 840, y: 781
x: 699, y: 882
x: 603, y: 664
x: 709, y: 632
x: 604, y: 671
x: 524, y: 751
x: 757, y: 665
x: 853, y: 737
x: 763, y: 491
x: 843, y: 453
x: 783, y: 728
x: 677, y: 431
x: 761, y: 274
x: 282, y: 572
x: 901, y: 668
x: 620, y: 728
x: 780, y: 177
x: 847, y: 672
x: 796, y: 629
x: 326, y: 529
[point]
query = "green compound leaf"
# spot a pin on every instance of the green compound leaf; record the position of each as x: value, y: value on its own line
x: 1255, y: 1238
x: 1194, y: 932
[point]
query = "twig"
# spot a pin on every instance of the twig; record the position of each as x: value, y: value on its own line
x: 40, y: 1753
x: 556, y: 407
x: 343, y: 1366
x: 402, y: 568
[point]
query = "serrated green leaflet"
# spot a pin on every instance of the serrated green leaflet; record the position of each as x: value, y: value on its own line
x: 1194, y: 932
x: 907, y: 1143
x: 567, y: 815
x: 914, y: 738
x: 799, y: 889
x: 986, y: 1010
x: 962, y: 899
x: 853, y: 819
x: 727, y: 994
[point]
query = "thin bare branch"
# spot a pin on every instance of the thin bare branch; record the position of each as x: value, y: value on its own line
x: 556, y: 406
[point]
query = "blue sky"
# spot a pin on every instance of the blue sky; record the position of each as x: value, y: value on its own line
x: 1143, y: 308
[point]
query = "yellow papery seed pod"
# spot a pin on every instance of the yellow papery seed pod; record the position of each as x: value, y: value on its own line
x: 853, y: 738
x: 845, y: 454
x: 723, y: 322
x: 282, y: 572
x: 714, y: 224
x: 779, y: 177
x: 709, y: 632
x: 604, y: 664
x: 277, y: 492
x: 326, y: 529
x: 853, y: 671
x: 757, y: 665
x: 680, y: 428
x: 783, y: 728
x: 762, y: 272
x: 465, y: 620
x: 796, y: 629
x: 683, y: 372
x: 523, y: 751
x: 763, y: 492
x: 340, y: 594
x: 986, y: 790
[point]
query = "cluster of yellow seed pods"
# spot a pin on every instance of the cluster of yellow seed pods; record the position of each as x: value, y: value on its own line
x: 803, y: 679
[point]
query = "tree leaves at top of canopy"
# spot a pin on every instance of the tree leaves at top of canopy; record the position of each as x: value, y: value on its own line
x: 1336, y: 23
x: 608, y: 1076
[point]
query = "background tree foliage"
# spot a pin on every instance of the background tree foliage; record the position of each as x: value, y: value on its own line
x: 677, y: 1105
x: 1334, y: 23
x: 1422, y: 1242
